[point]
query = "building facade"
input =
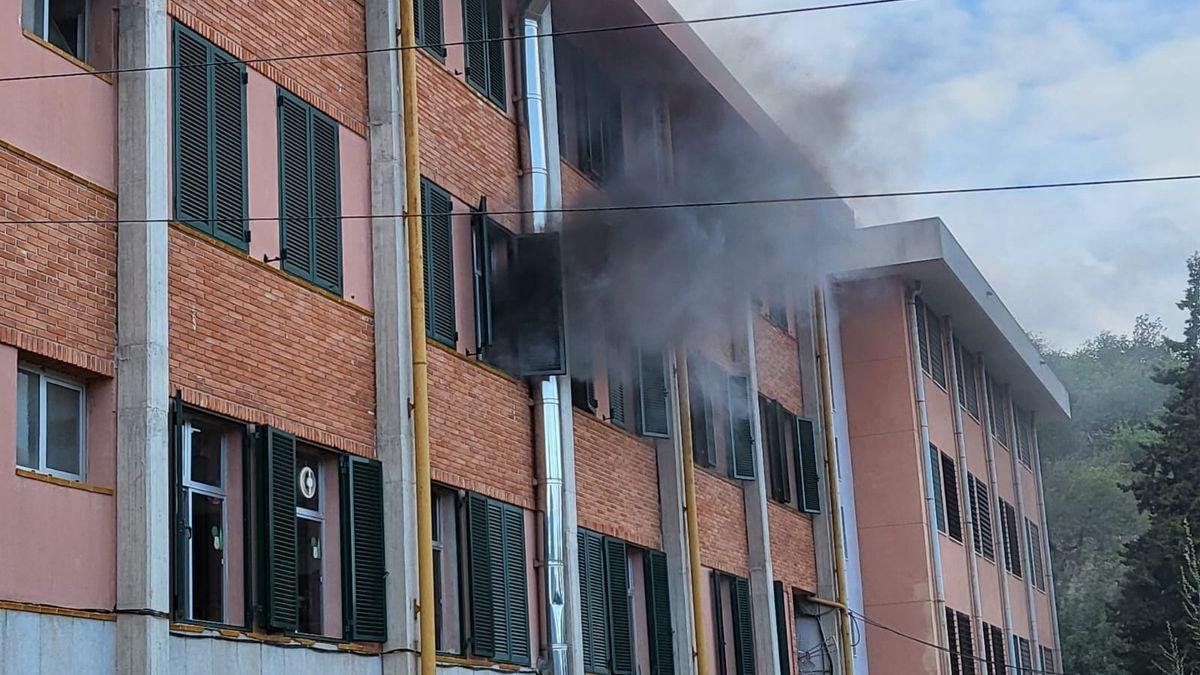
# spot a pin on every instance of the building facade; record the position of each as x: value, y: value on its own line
x: 206, y: 376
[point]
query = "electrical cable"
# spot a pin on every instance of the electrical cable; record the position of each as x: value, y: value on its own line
x: 664, y: 206
x: 460, y: 43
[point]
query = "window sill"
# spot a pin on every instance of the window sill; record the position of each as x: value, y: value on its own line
x: 473, y: 663
x: 107, y: 77
x: 189, y: 629
x: 65, y: 482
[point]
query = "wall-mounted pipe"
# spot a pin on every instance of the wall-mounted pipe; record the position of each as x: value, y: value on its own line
x: 1045, y: 522
x: 994, y: 496
x: 935, y: 544
x: 689, y: 493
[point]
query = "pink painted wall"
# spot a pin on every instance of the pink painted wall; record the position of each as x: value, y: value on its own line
x: 331, y: 549
x: 70, y: 122
x: 356, y: 232
x: 59, y: 542
x: 235, y: 570
x: 464, y: 277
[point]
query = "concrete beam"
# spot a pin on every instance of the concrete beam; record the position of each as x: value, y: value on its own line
x: 143, y: 399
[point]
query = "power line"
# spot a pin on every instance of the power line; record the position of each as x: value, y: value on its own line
x: 951, y: 652
x: 666, y: 206
x: 459, y: 43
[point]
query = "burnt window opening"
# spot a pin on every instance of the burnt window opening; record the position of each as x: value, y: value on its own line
x: 590, y: 110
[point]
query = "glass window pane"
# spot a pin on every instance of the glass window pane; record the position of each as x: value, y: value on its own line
x: 308, y: 569
x: 63, y: 440
x: 308, y: 481
x: 28, y: 420
x: 206, y: 454
x: 207, y: 563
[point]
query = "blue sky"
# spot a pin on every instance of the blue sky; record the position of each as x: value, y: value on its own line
x: 948, y: 93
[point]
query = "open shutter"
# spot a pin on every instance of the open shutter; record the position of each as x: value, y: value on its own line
x: 229, y: 149
x: 658, y: 614
x: 592, y: 602
x: 653, y: 416
x: 364, y: 609
x: 481, y: 273
x: 295, y: 188
x: 474, y: 34
x: 516, y: 585
x: 536, y: 290
x: 743, y: 629
x: 193, y: 186
x: 939, y: 502
x: 950, y: 492
x: 985, y: 538
x: 616, y: 386
x: 768, y: 417
x: 619, y: 616
x: 440, y: 322
x: 808, y: 477
x: 741, y: 440
x: 922, y: 335
x: 479, y: 570
x: 326, y: 205
x: 704, y: 447
x: 279, y: 587
x: 178, y: 509
x: 781, y: 631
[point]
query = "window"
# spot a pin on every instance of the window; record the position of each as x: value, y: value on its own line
x: 777, y: 314
x: 981, y: 509
x: 62, y: 23
x: 790, y: 453
x: 704, y: 380
x: 1010, y: 537
x: 645, y: 371
x: 491, y: 256
x: 590, y: 111
x: 209, y: 139
x: 436, y: 207
x: 732, y: 624
x: 1049, y: 663
x: 1023, y: 436
x: 961, y: 642
x: 483, y: 20
x: 496, y: 584
x: 741, y: 435
x: 446, y: 575
x: 946, y: 505
x: 1034, y: 540
x: 427, y: 15
x: 999, y: 411
x: 51, y: 424
x: 813, y: 656
x: 203, y: 465
x: 995, y: 662
x: 968, y: 380
x: 310, y: 540
x: 604, y: 604
x: 1024, y: 654
x: 931, y: 343
x: 309, y: 194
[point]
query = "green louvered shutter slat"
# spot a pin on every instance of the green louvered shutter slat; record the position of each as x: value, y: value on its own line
x: 939, y: 502
x: 658, y: 614
x: 585, y: 600
x: 741, y: 439
x: 593, y: 602
x: 419, y: 21
x: 363, y: 571
x: 743, y: 629
x: 280, y: 598
x: 494, y: 27
x: 653, y: 418
x: 479, y: 571
x: 619, y: 617
x: 193, y: 184
x: 326, y: 205
x: 807, y: 467
x: 966, y: 643
x: 474, y: 32
x: 431, y: 23
x: 440, y: 321
x: 498, y: 571
x: 295, y: 187
x: 516, y: 586
x: 781, y: 630
x: 616, y: 387
x: 229, y: 149
x: 922, y: 336
x: 950, y: 493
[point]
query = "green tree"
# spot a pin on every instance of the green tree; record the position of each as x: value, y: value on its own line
x: 1151, y: 610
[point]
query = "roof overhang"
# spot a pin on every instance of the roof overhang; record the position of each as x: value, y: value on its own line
x: 925, y: 252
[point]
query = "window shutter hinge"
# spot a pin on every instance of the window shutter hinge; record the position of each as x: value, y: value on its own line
x: 245, y: 77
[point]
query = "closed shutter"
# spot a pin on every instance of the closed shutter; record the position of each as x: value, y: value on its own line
x: 1049, y: 664
x: 494, y: 25
x: 937, y: 348
x: 1035, y: 553
x: 700, y: 377
x: 619, y: 615
x: 1024, y: 654
x: 966, y: 643
x: 743, y: 629
x: 741, y: 440
x: 516, y: 587
x: 295, y: 189
x: 658, y: 615
x: 939, y: 503
x: 981, y: 508
x: 617, y: 377
x: 479, y: 570
x: 593, y: 614
x: 971, y: 380
x: 922, y: 336
x: 536, y: 286
x: 440, y: 321
x: 326, y: 206
x: 193, y: 189
x: 278, y: 476
x: 364, y: 608
x: 788, y: 445
x: 229, y: 206
x: 653, y: 415
x: 427, y: 15
x: 953, y: 505
x: 483, y: 28
x: 781, y: 631
x: 807, y: 468
x: 999, y: 662
x: 952, y: 642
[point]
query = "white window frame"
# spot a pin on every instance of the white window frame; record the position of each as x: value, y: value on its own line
x: 191, y: 486
x: 318, y: 517
x: 48, y: 376
x: 43, y: 31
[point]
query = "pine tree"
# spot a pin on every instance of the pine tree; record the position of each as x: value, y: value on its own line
x: 1167, y: 489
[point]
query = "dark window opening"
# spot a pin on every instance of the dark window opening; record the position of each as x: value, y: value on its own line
x: 483, y: 28
x: 590, y: 110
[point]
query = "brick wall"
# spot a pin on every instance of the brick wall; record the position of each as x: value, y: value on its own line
x: 792, y: 555
x: 264, y: 28
x: 248, y: 341
x: 778, y: 365
x: 616, y: 478
x: 722, y: 520
x: 480, y: 429
x: 58, y: 282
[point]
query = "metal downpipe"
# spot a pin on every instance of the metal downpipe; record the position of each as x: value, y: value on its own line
x: 935, y: 544
x: 1023, y: 532
x: 994, y: 496
x: 690, y: 513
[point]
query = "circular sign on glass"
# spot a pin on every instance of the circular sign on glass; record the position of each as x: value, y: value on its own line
x: 308, y: 482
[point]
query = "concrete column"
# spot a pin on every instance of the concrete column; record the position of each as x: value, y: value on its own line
x: 143, y: 479
x: 994, y: 490
x: 672, y: 505
x: 758, y: 533
x: 393, y: 337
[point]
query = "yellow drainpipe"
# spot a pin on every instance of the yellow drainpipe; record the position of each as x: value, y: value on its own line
x: 420, y: 355
x: 835, y: 512
x: 689, y: 497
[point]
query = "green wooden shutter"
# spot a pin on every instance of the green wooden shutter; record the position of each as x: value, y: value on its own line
x: 939, y: 502
x: 922, y: 335
x: 474, y: 34
x: 429, y: 33
x: 229, y: 190
x: 494, y: 25
x: 937, y: 347
x: 479, y: 572
x: 771, y: 417
x: 436, y: 224
x: 326, y: 204
x: 616, y: 386
x: 516, y: 585
x: 179, y: 585
x: 808, y: 478
x: 781, y: 631
x: 192, y: 123
x: 741, y: 440
x: 593, y: 611
x: 704, y: 447
x: 653, y: 409
x: 619, y: 615
x: 949, y: 489
x: 481, y: 275
x: 966, y: 642
x: 295, y: 186
x: 743, y: 628
x: 278, y: 484
x: 658, y: 614
x: 364, y: 609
